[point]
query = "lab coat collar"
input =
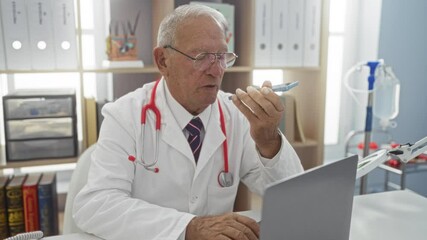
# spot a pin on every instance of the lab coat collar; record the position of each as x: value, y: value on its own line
x: 182, y: 116
x: 172, y: 134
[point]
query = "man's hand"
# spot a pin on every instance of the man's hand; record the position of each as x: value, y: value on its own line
x: 263, y: 109
x: 227, y: 226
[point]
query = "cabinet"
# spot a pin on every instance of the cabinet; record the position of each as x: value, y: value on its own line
x: 40, y: 124
x: 310, y: 94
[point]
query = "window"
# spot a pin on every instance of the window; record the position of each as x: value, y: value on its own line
x: 334, y: 71
x: 353, y: 37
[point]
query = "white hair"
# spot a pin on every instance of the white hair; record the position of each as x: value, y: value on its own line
x: 169, y: 25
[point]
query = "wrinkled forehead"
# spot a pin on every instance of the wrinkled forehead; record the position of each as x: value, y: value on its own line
x: 199, y: 28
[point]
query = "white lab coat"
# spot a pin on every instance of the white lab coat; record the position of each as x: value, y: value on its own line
x: 122, y: 200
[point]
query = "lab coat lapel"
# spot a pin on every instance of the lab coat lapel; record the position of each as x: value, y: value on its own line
x: 170, y: 131
x: 213, y: 139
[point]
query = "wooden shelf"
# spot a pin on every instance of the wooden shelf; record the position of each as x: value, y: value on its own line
x: 310, y: 94
x: 147, y: 69
x: 307, y: 143
x: 41, y: 162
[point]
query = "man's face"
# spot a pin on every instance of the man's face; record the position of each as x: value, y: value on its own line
x: 192, y: 88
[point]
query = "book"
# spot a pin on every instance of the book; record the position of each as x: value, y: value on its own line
x: 279, y: 32
x: 15, y: 205
x: 40, y: 29
x: 4, y: 231
x: 263, y: 26
x: 30, y: 200
x: 91, y: 121
x: 15, y: 34
x: 64, y: 34
x: 48, y: 204
x: 287, y: 123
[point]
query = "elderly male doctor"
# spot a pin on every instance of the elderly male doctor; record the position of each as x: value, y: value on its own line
x: 147, y: 186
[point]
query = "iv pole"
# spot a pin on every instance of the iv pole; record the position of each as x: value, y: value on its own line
x: 368, y: 122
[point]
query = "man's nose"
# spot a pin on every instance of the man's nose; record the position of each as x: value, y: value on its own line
x: 215, y: 68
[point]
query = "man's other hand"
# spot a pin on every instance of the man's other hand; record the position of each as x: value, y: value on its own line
x: 227, y: 226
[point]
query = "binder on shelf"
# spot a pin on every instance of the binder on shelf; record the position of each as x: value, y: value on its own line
x: 228, y: 11
x: 16, y: 40
x: 262, y: 33
x: 287, y: 124
x: 299, y: 131
x: 312, y: 33
x: 64, y: 32
x: 41, y: 34
x: 91, y: 121
x: 279, y: 32
x: 2, y: 52
x: 294, y: 47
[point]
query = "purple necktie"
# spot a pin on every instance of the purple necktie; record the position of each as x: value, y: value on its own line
x: 194, y: 127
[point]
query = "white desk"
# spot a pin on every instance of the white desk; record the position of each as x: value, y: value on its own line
x: 394, y: 215
x: 389, y: 215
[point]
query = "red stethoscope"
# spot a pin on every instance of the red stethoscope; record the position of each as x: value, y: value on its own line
x: 225, y: 178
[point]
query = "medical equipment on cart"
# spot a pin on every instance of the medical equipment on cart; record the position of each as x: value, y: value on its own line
x: 383, y: 89
x: 384, y: 104
x: 404, y: 153
x: 225, y: 178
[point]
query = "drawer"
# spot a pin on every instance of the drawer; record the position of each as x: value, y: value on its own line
x: 38, y: 107
x: 36, y: 149
x: 39, y: 128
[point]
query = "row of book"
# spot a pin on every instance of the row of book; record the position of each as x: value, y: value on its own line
x: 36, y: 34
x: 287, y: 33
x: 28, y: 203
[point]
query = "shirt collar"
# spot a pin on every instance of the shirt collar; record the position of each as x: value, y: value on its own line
x: 182, y: 116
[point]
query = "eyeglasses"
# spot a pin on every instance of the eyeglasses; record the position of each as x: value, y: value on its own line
x: 204, y: 60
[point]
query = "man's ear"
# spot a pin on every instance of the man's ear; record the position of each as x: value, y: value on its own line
x: 160, y: 59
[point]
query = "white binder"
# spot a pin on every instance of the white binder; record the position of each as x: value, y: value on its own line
x: 64, y: 34
x: 294, y: 47
x: 312, y: 33
x: 41, y: 34
x: 262, y: 33
x: 2, y: 52
x: 16, y: 41
x: 279, y: 33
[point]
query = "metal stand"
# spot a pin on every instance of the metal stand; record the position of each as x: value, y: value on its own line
x: 350, y: 137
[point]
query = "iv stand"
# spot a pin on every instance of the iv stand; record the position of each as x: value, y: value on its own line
x: 368, y: 122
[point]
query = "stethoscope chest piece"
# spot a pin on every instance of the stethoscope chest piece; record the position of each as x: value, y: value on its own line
x: 225, y: 179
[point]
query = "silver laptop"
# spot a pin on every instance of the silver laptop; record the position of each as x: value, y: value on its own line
x: 316, y: 204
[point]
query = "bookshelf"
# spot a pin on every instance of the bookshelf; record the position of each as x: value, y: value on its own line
x: 310, y: 95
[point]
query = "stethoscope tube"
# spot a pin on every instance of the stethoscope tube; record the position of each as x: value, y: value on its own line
x: 225, y: 178
x: 150, y: 106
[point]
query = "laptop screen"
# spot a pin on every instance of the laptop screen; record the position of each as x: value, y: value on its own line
x: 316, y: 204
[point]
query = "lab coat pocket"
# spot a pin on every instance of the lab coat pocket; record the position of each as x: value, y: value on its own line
x: 221, y: 199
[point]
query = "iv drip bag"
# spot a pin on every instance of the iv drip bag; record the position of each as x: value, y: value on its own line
x: 386, y: 96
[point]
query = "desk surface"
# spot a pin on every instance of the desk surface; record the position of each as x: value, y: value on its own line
x: 391, y: 215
